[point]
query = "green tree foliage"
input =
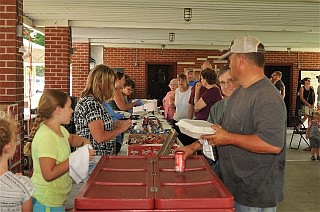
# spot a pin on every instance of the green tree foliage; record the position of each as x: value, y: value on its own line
x: 38, y: 38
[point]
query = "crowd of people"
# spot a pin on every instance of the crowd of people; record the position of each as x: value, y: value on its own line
x: 246, y: 110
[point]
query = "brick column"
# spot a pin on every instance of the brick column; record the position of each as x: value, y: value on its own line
x: 80, y: 66
x: 57, y: 58
x: 11, y: 66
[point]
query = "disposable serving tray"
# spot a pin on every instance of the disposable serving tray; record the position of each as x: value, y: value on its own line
x: 195, y: 128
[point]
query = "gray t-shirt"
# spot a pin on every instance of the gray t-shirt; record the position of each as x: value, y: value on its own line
x: 255, y: 180
x: 216, y: 111
x: 279, y: 85
x: 314, y: 131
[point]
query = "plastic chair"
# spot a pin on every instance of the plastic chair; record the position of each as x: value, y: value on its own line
x: 298, y: 131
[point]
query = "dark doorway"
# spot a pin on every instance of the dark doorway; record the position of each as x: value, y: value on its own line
x: 286, y: 71
x: 159, y: 76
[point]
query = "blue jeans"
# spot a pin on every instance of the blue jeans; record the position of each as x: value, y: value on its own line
x: 38, y: 207
x: 243, y: 208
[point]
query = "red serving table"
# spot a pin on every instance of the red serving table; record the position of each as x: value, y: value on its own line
x: 138, y: 183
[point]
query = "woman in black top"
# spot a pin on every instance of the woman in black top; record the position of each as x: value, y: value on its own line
x: 307, y: 96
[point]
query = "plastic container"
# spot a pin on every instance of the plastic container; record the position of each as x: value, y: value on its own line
x: 118, y: 183
x: 195, y: 128
x: 198, y: 187
x: 135, y: 184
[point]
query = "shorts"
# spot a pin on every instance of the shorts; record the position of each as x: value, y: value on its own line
x: 314, y: 143
x: 38, y: 207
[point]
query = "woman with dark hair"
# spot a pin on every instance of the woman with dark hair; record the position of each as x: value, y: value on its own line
x: 203, y: 104
x: 128, y: 89
x: 118, y: 101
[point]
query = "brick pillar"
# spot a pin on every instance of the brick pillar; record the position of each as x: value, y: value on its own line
x: 80, y: 66
x: 11, y: 66
x: 57, y: 58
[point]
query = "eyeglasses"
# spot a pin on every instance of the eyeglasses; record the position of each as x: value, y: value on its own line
x: 228, y: 82
x: 273, y: 75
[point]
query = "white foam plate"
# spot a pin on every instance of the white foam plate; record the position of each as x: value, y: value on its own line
x: 195, y: 128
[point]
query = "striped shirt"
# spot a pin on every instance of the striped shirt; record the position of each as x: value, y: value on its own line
x: 14, y: 190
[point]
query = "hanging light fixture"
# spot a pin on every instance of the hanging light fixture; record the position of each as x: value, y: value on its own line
x: 172, y: 36
x: 187, y: 14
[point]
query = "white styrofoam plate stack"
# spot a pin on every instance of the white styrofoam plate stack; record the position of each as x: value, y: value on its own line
x: 195, y: 128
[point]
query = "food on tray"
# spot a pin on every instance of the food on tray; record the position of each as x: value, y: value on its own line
x: 140, y: 139
x: 149, y: 125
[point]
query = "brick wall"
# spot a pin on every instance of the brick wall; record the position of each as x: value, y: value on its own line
x: 80, y: 66
x: 11, y: 65
x: 57, y: 58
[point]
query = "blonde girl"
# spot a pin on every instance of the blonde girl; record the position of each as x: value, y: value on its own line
x: 15, y: 189
x: 50, y: 150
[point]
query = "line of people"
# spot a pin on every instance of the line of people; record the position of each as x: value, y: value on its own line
x: 193, y: 97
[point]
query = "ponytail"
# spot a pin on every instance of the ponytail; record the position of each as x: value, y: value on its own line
x: 35, y: 126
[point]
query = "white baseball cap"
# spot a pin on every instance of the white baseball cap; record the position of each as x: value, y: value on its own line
x: 244, y: 44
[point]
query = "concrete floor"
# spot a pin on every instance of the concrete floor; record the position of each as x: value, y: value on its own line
x: 302, y: 181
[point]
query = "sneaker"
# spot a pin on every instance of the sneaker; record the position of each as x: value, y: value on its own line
x: 318, y: 157
x: 313, y: 158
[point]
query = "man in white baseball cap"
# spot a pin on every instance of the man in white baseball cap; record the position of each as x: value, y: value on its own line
x: 251, y: 137
x: 244, y: 44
